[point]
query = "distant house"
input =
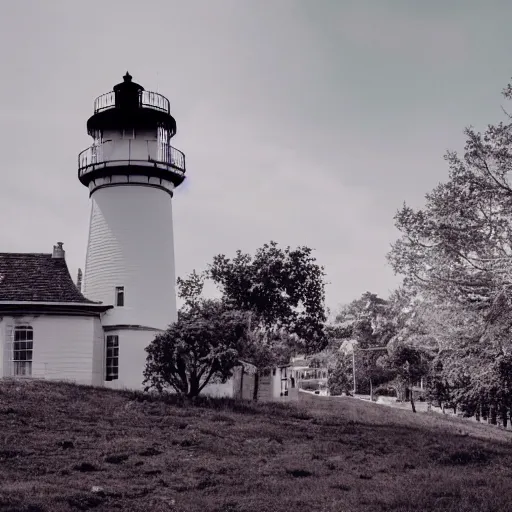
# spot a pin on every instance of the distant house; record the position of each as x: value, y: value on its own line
x: 282, y: 383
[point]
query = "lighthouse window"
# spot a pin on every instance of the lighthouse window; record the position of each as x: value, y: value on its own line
x: 112, y: 357
x: 129, y: 134
x: 98, y: 136
x: 120, y: 296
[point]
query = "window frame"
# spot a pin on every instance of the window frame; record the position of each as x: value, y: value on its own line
x: 129, y: 134
x: 119, y: 290
x: 111, y: 360
x: 17, y: 350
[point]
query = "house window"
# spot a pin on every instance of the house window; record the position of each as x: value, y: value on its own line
x: 112, y: 357
x: 22, y: 351
x: 120, y: 296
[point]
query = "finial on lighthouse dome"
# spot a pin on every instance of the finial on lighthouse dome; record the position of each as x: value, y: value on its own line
x: 127, y: 77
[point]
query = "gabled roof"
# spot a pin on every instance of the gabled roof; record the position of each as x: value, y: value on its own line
x: 37, y: 278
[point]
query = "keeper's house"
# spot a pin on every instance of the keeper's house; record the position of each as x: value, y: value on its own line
x: 48, y: 328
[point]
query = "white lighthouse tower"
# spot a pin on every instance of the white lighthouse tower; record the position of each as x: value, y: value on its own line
x: 131, y: 171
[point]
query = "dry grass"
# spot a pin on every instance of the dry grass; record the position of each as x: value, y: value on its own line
x: 58, y: 441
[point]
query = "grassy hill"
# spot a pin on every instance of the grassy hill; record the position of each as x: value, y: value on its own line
x: 59, y: 441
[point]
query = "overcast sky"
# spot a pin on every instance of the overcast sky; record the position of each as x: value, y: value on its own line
x: 307, y: 122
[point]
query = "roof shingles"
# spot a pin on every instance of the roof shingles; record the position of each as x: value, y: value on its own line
x: 37, y: 278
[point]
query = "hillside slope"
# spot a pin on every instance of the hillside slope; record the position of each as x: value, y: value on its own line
x: 58, y: 441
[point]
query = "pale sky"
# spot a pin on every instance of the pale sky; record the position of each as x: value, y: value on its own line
x: 307, y: 122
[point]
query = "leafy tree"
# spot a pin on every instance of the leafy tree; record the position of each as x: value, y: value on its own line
x: 439, y: 389
x: 459, y: 245
x: 409, y: 363
x: 203, y: 346
x: 283, y: 289
x: 190, y: 289
x: 340, y: 377
x: 456, y: 254
x: 272, y: 307
x: 368, y: 322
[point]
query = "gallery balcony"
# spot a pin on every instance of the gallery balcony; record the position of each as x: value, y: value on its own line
x: 131, y: 157
x: 146, y: 99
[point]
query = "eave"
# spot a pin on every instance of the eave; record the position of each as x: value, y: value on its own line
x: 17, y: 308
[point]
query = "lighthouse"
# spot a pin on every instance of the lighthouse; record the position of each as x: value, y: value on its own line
x: 131, y: 171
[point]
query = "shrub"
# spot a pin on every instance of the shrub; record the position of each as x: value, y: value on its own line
x: 385, y: 391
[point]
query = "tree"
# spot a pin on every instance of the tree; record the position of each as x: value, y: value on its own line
x: 283, y: 289
x: 460, y: 246
x: 340, y: 376
x: 203, y: 346
x: 367, y: 321
x: 190, y: 289
x: 456, y: 253
x: 409, y: 363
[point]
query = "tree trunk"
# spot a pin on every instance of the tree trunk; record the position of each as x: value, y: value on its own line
x: 504, y: 418
x: 193, y: 389
x: 371, y: 391
x: 492, y: 415
x: 454, y: 408
x: 477, y: 413
x: 411, y: 395
x: 412, y: 403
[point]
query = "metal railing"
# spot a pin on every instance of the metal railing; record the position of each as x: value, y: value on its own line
x: 147, y: 99
x: 131, y: 152
x: 104, y: 102
x: 154, y: 100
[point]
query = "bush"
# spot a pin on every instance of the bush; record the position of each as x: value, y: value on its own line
x: 385, y: 391
x: 340, y: 378
x: 309, y: 386
x: 202, y: 346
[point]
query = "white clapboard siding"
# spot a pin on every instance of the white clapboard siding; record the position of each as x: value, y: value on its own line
x: 132, y: 357
x: 131, y: 245
x: 62, y: 349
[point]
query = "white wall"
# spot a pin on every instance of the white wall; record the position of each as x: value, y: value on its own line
x: 73, y: 349
x: 132, y: 357
x: 131, y: 245
x: 276, y: 381
x: 98, y: 355
x: 63, y: 346
x: 218, y: 389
